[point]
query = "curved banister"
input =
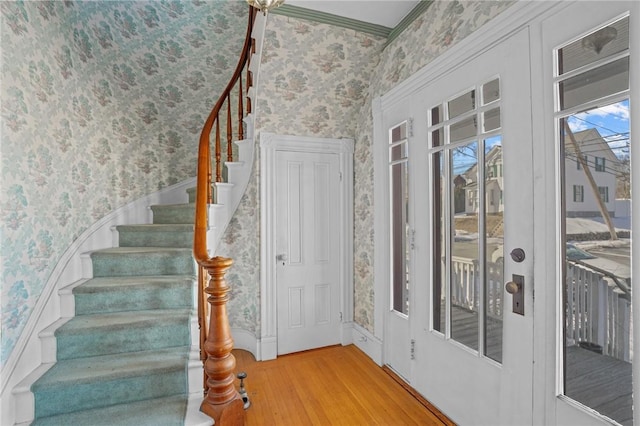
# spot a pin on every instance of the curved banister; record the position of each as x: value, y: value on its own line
x: 222, y: 401
x: 204, y: 178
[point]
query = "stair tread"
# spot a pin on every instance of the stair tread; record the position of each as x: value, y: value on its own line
x: 113, y: 366
x: 174, y: 206
x: 137, y: 250
x: 99, y: 284
x: 167, y: 227
x: 114, y: 320
x: 158, y: 411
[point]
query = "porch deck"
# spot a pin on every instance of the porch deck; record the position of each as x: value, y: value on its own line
x: 598, y: 381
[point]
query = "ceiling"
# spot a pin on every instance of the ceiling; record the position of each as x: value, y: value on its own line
x: 387, y: 13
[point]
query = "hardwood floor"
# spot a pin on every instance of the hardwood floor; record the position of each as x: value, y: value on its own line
x: 336, y: 385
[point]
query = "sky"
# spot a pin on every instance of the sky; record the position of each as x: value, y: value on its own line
x: 611, y: 121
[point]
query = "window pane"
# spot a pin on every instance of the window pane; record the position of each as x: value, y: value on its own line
x: 491, y: 119
x: 491, y: 91
x: 437, y: 137
x: 439, y: 241
x: 465, y: 270
x: 604, y: 42
x: 464, y: 129
x: 462, y: 104
x: 398, y: 152
x: 436, y: 115
x: 494, y: 243
x: 399, y: 133
x: 594, y: 84
x: 399, y: 238
x: 597, y: 278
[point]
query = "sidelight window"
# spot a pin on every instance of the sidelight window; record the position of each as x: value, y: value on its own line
x: 593, y: 121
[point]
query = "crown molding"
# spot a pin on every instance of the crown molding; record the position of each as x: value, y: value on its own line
x: 407, y: 20
x: 328, y: 18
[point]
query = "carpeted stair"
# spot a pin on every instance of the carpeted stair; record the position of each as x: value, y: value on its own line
x: 123, y: 358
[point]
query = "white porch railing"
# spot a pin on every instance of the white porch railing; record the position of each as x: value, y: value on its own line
x: 465, y: 287
x: 598, y: 312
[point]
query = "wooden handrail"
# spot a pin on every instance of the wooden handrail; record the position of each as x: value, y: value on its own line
x: 222, y: 401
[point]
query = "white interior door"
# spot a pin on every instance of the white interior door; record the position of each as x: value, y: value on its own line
x: 475, y: 236
x: 307, y: 247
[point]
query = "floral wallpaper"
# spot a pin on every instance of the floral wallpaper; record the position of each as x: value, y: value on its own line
x: 102, y: 103
x: 326, y: 91
x: 309, y: 92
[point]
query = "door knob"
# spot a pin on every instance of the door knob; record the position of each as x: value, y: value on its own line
x: 512, y: 287
x: 515, y: 287
x: 281, y: 257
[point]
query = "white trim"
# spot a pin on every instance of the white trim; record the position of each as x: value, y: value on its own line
x: 380, y: 219
x: 269, y: 145
x: 499, y: 28
x: 367, y: 343
x: 245, y: 340
x: 27, y: 354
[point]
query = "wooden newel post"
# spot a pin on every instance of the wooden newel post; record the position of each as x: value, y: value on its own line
x: 223, y: 403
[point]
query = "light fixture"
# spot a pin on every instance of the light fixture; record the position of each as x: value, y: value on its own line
x: 599, y: 39
x: 265, y: 5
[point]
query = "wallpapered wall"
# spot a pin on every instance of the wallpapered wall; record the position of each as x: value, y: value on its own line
x: 302, y: 91
x: 101, y: 105
x: 327, y: 91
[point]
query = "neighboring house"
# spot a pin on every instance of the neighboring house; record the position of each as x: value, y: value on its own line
x: 493, y: 187
x: 604, y: 167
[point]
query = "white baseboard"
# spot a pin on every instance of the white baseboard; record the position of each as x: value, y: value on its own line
x: 368, y: 343
x: 267, y: 348
x: 245, y: 340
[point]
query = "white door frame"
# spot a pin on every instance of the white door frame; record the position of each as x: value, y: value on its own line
x: 270, y: 144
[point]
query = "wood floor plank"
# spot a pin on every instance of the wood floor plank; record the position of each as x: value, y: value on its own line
x: 337, y: 385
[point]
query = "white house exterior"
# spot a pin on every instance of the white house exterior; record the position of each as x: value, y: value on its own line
x: 604, y: 167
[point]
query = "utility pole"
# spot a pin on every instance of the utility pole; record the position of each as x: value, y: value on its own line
x: 592, y: 182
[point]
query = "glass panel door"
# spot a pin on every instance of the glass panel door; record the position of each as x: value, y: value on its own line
x: 592, y: 89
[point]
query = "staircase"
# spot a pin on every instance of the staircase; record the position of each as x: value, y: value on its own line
x: 122, y: 359
x: 126, y: 347
x: 126, y: 355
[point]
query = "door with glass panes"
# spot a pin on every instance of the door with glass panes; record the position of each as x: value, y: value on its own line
x: 586, y: 201
x: 471, y: 212
x: 522, y: 173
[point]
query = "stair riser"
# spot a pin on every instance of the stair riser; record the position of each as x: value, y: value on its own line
x: 155, y: 239
x: 164, y: 411
x: 75, y: 397
x: 155, y: 296
x: 119, y: 339
x: 173, y: 214
x: 140, y: 264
